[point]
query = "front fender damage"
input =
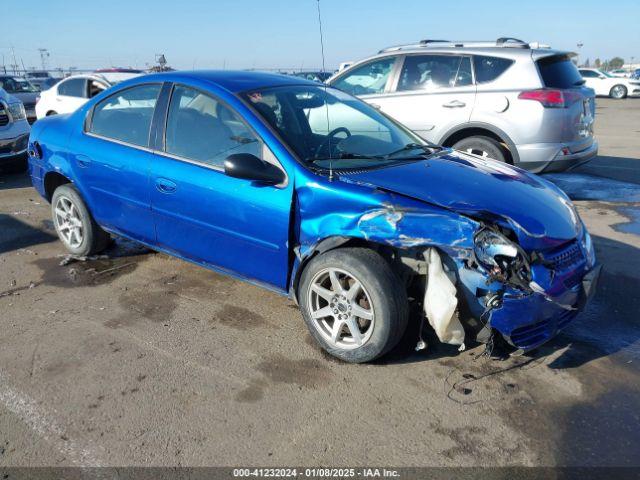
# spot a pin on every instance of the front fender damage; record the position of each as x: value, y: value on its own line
x: 436, y: 245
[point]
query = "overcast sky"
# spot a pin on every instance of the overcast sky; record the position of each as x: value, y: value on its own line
x: 284, y: 34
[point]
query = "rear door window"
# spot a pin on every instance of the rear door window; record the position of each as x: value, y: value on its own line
x: 126, y: 116
x: 489, y: 68
x: 368, y: 79
x: 558, y: 71
x: 74, y: 87
x: 431, y: 72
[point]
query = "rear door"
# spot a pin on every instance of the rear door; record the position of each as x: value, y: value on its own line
x: 432, y: 94
x: 202, y: 214
x: 72, y: 94
x: 112, y: 159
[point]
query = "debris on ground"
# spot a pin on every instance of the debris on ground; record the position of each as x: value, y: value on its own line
x: 70, y: 258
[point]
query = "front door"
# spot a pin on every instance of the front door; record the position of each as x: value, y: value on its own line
x: 113, y: 159
x: 202, y: 214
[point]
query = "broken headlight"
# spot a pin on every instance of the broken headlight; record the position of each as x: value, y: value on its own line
x: 493, y: 249
x: 504, y: 259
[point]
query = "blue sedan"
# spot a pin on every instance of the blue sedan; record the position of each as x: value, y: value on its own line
x: 312, y: 193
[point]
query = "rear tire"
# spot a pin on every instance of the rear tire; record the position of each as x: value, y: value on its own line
x: 618, y: 92
x: 485, y: 147
x: 377, y: 307
x: 76, y: 228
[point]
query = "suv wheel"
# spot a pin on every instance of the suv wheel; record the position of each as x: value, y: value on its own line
x: 483, y: 147
x: 353, y: 304
x: 74, y: 224
x: 618, y: 92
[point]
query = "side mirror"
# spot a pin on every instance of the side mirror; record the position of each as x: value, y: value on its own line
x: 250, y: 167
x: 601, y: 76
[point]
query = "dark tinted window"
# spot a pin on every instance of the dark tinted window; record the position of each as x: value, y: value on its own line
x: 201, y: 128
x: 431, y: 72
x: 126, y: 116
x: 74, y: 87
x: 589, y: 74
x: 558, y: 71
x: 489, y: 68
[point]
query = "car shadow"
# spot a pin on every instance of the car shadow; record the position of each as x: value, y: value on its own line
x: 18, y: 180
x: 15, y: 234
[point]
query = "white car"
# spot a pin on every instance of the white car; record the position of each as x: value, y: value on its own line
x: 620, y: 73
x: 607, y: 85
x: 72, y: 92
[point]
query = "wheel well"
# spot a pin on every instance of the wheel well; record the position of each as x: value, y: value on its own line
x: 53, y: 180
x: 391, y: 254
x: 476, y: 131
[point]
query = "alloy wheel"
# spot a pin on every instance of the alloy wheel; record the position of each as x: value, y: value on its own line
x: 341, y: 308
x: 68, y: 222
x: 618, y: 91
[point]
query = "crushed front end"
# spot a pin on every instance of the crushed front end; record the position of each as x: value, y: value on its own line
x: 527, y: 297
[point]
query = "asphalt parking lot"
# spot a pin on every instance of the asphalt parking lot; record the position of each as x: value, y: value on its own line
x: 141, y: 359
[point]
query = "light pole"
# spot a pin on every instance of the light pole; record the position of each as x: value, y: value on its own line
x: 580, y: 44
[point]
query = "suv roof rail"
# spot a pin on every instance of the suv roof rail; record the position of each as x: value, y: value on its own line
x: 506, y: 42
x: 511, y: 42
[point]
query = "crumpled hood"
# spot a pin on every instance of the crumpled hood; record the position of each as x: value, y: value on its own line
x: 539, y: 213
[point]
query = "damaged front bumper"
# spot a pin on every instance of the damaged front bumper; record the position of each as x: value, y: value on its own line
x: 528, y: 321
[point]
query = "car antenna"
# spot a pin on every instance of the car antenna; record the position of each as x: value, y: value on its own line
x: 326, y: 95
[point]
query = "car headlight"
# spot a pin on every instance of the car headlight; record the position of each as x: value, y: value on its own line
x: 17, y: 111
x: 589, y: 250
x: 491, y: 247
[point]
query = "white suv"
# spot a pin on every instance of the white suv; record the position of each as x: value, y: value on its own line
x: 504, y: 100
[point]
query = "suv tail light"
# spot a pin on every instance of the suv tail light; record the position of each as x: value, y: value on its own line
x: 551, y: 98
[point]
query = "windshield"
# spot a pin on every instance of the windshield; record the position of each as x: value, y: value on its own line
x: 16, y: 85
x: 326, y: 127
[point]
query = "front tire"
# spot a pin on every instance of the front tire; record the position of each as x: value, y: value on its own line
x: 354, y: 305
x: 618, y: 92
x: 75, y: 225
x: 483, y: 147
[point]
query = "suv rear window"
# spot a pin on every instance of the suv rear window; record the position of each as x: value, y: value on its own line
x: 489, y: 68
x: 558, y: 71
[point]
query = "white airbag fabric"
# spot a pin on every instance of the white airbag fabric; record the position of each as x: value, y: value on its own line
x: 440, y: 302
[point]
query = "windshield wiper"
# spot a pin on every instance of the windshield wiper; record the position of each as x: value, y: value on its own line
x: 414, y: 146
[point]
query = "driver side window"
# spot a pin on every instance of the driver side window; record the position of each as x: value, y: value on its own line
x: 202, y: 129
x: 367, y: 79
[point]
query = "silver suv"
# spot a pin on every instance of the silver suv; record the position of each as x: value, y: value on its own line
x: 508, y: 100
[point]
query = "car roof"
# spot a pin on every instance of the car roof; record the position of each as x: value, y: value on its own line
x: 232, y: 80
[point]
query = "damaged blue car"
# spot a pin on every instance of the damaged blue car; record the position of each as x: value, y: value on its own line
x: 312, y: 193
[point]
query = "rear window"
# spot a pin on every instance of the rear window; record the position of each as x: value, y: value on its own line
x: 558, y: 71
x: 489, y: 68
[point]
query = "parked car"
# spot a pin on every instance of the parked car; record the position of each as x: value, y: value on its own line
x: 636, y: 74
x: 23, y: 90
x: 608, y: 86
x: 351, y: 217
x: 14, y: 134
x: 41, y: 79
x: 502, y: 100
x: 620, y: 73
x: 319, y: 77
x: 74, y: 91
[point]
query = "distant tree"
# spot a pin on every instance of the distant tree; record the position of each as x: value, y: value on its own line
x: 587, y: 63
x: 597, y: 63
x: 616, y: 62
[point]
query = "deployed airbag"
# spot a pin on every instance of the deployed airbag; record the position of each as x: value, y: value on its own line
x: 440, y: 302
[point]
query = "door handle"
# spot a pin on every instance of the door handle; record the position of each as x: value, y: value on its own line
x: 165, y: 186
x: 454, y: 104
x: 83, y: 161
